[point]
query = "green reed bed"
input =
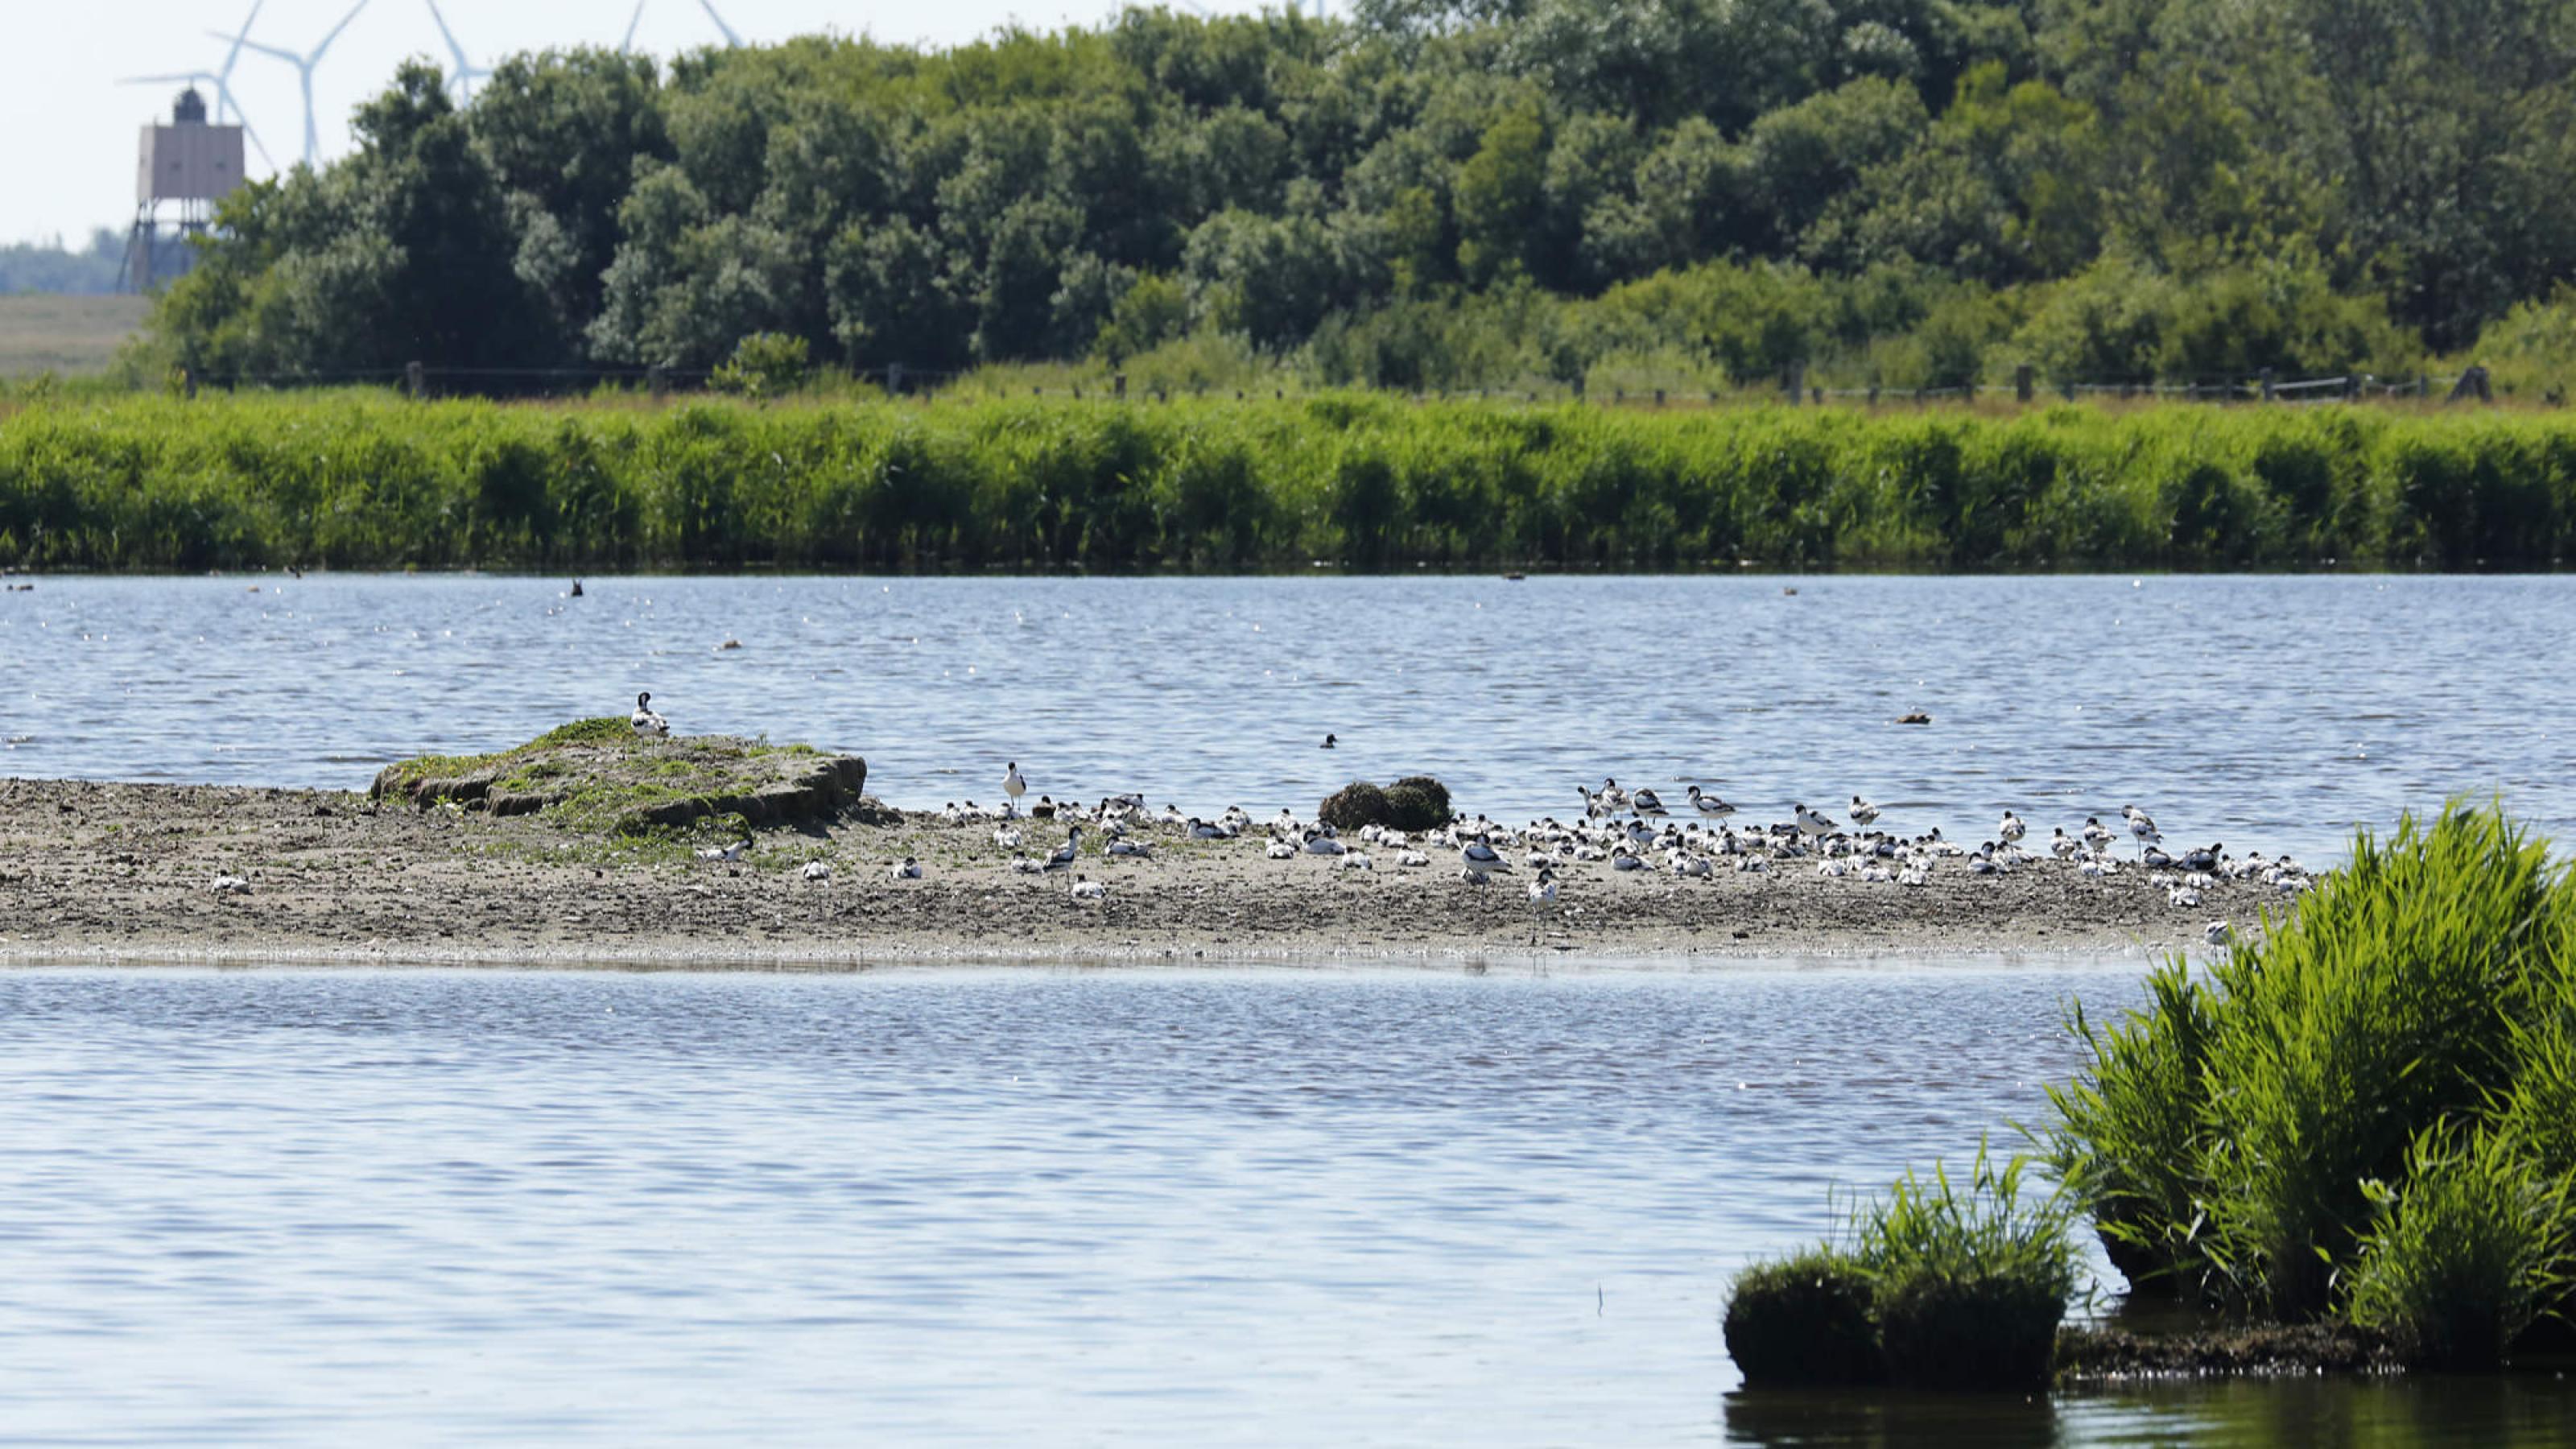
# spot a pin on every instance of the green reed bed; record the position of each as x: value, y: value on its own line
x: 358, y: 479
x: 2365, y: 1117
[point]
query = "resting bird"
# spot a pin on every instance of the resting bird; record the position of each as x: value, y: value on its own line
x: 648, y: 725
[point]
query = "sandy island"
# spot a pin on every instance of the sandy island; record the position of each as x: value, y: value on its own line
x: 128, y: 872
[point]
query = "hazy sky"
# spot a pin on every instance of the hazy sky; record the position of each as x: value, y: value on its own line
x: 67, y: 129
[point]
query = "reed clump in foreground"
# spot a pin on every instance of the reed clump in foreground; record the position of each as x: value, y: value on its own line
x: 362, y: 479
x: 1942, y: 1286
x: 2368, y: 1116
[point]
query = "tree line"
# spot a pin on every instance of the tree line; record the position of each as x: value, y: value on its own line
x: 1456, y: 194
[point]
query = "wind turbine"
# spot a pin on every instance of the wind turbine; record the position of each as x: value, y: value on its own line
x: 627, y: 46
x: 216, y: 80
x: 304, y: 65
x: 730, y: 38
x: 466, y: 70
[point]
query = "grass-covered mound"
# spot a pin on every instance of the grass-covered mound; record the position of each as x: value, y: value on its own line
x: 1943, y: 1287
x: 597, y: 775
x: 2367, y: 1115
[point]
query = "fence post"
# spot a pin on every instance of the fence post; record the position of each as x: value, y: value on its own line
x: 657, y: 382
x: 1873, y: 394
x: 1797, y: 383
x: 1659, y: 397
x: 2423, y: 386
x: 2267, y: 384
x: 894, y: 379
x: 415, y: 381
x: 2067, y: 387
x: 2022, y: 383
x: 1118, y: 387
x: 188, y: 382
x: 2351, y: 387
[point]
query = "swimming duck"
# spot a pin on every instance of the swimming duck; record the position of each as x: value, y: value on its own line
x: 648, y: 725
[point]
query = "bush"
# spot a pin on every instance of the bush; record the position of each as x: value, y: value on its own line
x: 764, y: 364
x: 1354, y: 806
x: 2264, y: 1137
x: 2464, y: 1255
x: 1969, y: 1286
x: 1803, y: 1320
x: 1417, y: 802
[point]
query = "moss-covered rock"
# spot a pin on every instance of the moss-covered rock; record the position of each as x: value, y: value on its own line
x: 597, y: 775
x: 1803, y: 1320
x: 1969, y: 1329
x: 1353, y: 806
x: 1417, y: 802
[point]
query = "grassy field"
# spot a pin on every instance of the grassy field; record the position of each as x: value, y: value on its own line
x: 362, y: 479
x: 46, y: 332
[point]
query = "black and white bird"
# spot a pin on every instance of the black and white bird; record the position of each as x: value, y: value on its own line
x: 1709, y: 805
x: 1646, y: 802
x: 909, y: 869
x: 1328, y: 743
x: 1013, y: 784
x: 1481, y: 859
x: 2217, y: 933
x: 2012, y: 829
x: 1064, y: 855
x: 648, y: 725
x: 1814, y: 822
x: 1862, y: 812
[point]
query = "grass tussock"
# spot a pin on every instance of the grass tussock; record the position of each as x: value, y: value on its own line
x: 2366, y: 1115
x: 357, y: 479
x: 1946, y: 1284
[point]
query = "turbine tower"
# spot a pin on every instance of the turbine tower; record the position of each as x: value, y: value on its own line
x: 466, y: 71
x: 304, y: 65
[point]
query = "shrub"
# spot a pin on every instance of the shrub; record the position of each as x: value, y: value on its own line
x: 1803, y: 1320
x: 1417, y: 802
x: 1969, y: 1286
x: 2261, y: 1136
x: 1353, y: 806
x: 2464, y: 1255
x: 764, y: 364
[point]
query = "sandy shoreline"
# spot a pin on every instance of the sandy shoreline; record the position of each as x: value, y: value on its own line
x: 126, y: 873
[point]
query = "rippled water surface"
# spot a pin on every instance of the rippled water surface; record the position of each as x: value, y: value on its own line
x: 2270, y: 712
x: 1001, y: 1207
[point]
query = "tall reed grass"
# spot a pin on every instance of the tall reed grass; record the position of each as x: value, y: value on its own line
x: 362, y: 479
x: 2334, y: 1119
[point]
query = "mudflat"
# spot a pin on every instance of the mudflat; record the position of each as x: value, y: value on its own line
x: 144, y: 872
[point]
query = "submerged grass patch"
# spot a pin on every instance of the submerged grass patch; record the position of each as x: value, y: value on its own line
x: 359, y: 479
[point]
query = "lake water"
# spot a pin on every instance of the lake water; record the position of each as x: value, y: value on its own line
x: 964, y: 1206
x: 952, y: 1205
x: 2265, y: 712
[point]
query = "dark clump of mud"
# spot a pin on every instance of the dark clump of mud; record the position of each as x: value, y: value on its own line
x: 2257, y: 1350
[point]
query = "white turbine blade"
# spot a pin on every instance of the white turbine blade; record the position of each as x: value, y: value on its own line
x: 628, y: 44
x: 336, y: 29
x: 454, y: 50
x: 256, y: 143
x: 234, y: 54
x: 710, y: 7
x: 262, y: 47
x: 155, y: 80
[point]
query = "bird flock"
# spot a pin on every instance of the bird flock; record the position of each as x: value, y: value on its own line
x: 1619, y: 830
